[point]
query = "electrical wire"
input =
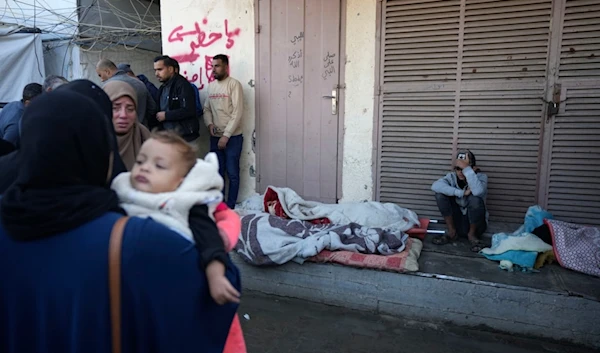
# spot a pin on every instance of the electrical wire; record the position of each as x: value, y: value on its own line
x: 135, y: 25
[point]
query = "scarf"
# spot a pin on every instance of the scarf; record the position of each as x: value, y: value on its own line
x: 131, y: 142
x: 6, y: 147
x: 63, y: 168
x: 9, y: 164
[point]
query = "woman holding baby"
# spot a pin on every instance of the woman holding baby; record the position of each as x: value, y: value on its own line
x: 56, y: 222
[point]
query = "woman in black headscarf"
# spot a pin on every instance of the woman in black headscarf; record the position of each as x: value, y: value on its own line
x: 9, y: 164
x: 6, y: 147
x: 65, y: 158
x: 55, y: 224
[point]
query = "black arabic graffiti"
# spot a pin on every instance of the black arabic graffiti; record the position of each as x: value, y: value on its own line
x: 296, y: 80
x: 297, y: 39
x: 328, y: 72
x: 294, y: 59
x: 328, y: 65
x: 328, y: 60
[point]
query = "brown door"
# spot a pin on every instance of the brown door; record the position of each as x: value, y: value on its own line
x: 298, y: 74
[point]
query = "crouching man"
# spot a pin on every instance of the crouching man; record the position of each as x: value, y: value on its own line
x: 460, y: 197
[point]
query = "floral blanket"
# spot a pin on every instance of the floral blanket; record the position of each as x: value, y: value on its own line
x: 576, y: 247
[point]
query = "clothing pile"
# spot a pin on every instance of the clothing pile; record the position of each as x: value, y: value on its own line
x: 542, y: 240
x: 520, y: 249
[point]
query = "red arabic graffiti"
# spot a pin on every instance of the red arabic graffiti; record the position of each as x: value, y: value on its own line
x: 202, y: 39
x: 208, y: 68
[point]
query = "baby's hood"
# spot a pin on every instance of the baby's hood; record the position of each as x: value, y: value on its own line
x: 203, y: 184
x: 204, y: 176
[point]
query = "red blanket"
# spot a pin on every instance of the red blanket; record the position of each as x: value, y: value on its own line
x: 405, y: 261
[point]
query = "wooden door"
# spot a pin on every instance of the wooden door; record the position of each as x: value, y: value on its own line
x: 297, y: 118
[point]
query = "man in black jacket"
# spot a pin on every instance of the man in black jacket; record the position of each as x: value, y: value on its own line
x: 177, y: 101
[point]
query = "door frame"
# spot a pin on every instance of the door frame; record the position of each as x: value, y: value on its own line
x: 341, y: 96
x: 378, y: 99
x: 547, y: 125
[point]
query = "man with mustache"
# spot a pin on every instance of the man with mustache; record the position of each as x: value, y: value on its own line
x: 176, y: 100
x: 223, y: 116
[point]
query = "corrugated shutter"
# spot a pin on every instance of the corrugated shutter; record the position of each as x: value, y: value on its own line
x: 419, y: 68
x: 502, y: 128
x: 503, y: 79
x: 415, y: 147
x: 580, y: 46
x: 574, y: 180
x: 468, y: 78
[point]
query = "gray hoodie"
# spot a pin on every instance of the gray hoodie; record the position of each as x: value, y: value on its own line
x: 448, y: 185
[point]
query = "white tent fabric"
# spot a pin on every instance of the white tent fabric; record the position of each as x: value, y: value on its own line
x: 21, y: 62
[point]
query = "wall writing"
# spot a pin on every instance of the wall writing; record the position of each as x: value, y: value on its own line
x: 328, y: 66
x: 201, y: 40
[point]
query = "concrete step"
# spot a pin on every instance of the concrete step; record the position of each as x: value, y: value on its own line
x: 461, y: 290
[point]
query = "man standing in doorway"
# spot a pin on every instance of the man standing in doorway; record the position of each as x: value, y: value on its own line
x: 176, y: 100
x: 223, y: 117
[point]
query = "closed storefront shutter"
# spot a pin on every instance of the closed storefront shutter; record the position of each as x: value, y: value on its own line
x: 463, y: 74
x: 419, y: 70
x: 503, y: 81
x: 573, y: 173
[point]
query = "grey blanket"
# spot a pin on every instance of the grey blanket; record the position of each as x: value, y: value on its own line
x: 270, y: 240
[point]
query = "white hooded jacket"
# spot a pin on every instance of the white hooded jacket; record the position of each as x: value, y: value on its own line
x: 202, y: 185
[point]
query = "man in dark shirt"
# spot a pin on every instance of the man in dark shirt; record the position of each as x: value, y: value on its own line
x: 11, y: 114
x: 149, y: 85
x: 177, y: 101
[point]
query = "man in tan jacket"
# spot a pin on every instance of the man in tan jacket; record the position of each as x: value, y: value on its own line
x: 223, y: 117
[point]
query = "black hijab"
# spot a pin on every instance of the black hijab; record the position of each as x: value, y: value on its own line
x: 63, y: 169
x: 6, y: 147
x: 9, y: 164
x: 97, y: 94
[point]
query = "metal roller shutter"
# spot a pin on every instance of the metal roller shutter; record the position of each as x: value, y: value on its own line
x: 463, y: 74
x: 418, y: 83
x: 573, y: 192
x: 503, y: 81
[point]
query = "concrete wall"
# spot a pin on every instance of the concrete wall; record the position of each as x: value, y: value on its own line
x: 179, y: 33
x: 201, y: 24
x: 357, y: 176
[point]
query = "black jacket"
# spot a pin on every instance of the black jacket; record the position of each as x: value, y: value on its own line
x: 206, y: 235
x: 180, y: 113
x: 6, y: 147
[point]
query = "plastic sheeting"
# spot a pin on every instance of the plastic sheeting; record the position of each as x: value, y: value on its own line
x: 21, y: 62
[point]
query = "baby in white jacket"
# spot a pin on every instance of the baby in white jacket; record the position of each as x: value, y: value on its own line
x: 170, y: 185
